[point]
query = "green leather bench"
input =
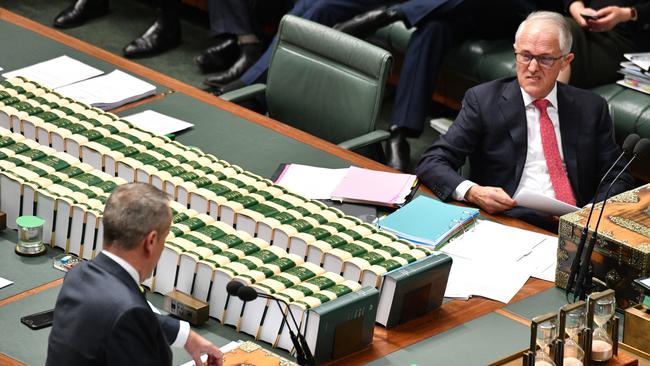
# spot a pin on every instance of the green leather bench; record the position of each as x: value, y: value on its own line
x: 476, y: 61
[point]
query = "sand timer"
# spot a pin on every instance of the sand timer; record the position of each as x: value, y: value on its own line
x: 603, y: 310
x: 574, y: 324
x: 545, y: 335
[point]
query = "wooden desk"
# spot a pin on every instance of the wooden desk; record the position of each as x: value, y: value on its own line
x: 446, y: 317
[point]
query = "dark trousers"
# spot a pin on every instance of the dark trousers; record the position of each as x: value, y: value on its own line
x: 234, y: 17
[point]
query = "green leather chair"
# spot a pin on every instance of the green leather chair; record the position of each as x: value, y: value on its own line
x: 326, y: 83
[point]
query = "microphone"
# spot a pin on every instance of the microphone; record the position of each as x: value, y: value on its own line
x: 642, y: 150
x: 232, y: 288
x: 628, y: 146
x: 303, y: 353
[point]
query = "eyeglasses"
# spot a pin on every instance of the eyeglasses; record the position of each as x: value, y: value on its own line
x: 544, y: 61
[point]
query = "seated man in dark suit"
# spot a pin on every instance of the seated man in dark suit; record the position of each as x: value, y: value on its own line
x: 101, y: 316
x: 529, y: 132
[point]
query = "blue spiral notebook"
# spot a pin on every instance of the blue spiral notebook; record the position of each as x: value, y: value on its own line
x: 429, y: 222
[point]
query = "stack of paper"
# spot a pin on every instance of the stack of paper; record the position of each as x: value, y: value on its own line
x: 636, y: 72
x: 374, y: 187
x: 427, y: 221
x: 310, y: 181
x: 57, y: 72
x: 109, y: 91
x: 353, y: 184
x: 495, y: 261
x: 157, y: 123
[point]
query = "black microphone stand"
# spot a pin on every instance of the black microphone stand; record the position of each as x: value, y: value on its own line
x: 629, y: 143
x: 303, y: 353
x: 584, y: 277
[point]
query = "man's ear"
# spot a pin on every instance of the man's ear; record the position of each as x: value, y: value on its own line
x: 150, y: 241
x: 566, y: 60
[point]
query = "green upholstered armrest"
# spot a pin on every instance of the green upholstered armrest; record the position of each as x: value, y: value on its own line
x: 245, y: 93
x: 365, y: 140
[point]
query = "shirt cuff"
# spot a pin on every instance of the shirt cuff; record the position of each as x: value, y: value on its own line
x: 461, y: 190
x: 183, y: 334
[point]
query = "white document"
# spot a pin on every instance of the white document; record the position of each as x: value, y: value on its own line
x: 225, y: 348
x: 159, y: 123
x: 492, y: 241
x: 4, y: 282
x: 540, y: 202
x: 543, y: 259
x: 310, y: 181
x: 495, y: 261
x: 57, y: 72
x: 640, y: 59
x: 109, y: 91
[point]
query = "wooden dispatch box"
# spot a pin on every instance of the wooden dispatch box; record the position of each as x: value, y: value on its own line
x: 622, y: 251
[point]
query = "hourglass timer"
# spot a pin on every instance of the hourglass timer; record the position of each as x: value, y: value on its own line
x: 572, y: 322
x: 543, y: 333
x: 603, y: 340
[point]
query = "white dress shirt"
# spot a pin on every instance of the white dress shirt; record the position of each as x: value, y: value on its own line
x: 535, y: 175
x: 183, y: 330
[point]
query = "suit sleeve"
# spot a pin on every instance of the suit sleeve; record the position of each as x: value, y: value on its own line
x: 438, y: 167
x: 608, y: 152
x: 134, y: 339
x: 170, y: 327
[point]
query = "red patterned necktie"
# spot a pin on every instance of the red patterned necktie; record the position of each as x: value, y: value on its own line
x: 559, y: 178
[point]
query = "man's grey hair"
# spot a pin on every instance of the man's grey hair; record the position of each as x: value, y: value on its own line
x: 132, y: 211
x: 558, y: 21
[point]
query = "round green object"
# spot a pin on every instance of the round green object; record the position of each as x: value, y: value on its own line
x: 30, y: 222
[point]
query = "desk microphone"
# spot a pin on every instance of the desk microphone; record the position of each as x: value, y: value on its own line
x: 303, y: 354
x: 628, y: 146
x: 642, y: 150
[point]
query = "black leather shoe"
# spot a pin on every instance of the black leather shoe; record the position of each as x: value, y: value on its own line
x: 79, y: 12
x: 218, y: 57
x: 366, y: 24
x: 162, y: 35
x: 249, y: 55
x: 398, y: 151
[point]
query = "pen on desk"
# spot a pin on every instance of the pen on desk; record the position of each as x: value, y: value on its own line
x: 414, y: 189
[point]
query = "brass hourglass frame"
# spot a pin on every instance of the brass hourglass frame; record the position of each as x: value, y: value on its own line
x: 560, y: 341
x: 589, y: 330
x: 529, y: 355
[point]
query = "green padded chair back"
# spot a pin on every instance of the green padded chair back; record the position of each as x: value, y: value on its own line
x: 325, y: 82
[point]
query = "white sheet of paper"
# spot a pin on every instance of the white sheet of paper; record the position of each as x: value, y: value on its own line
x: 543, y: 259
x: 109, y: 91
x: 57, y: 72
x: 4, y: 282
x: 225, y: 348
x: 641, y: 59
x: 493, y: 241
x: 159, y: 123
x: 310, y: 181
x: 495, y: 261
x: 540, y: 202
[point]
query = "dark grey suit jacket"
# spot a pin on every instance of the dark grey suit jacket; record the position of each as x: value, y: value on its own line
x: 491, y: 129
x: 102, y: 318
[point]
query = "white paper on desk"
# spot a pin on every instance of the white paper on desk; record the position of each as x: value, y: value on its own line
x: 540, y: 202
x: 57, y: 72
x: 109, y: 91
x: 159, y: 123
x: 495, y: 281
x: 310, y: 181
x: 225, y: 348
x: 543, y: 259
x: 4, y: 282
x: 491, y: 241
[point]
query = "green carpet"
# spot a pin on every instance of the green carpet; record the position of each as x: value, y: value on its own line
x: 129, y: 18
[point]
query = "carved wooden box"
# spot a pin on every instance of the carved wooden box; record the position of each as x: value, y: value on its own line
x: 622, y: 251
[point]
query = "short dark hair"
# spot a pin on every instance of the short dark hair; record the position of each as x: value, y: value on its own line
x: 132, y: 211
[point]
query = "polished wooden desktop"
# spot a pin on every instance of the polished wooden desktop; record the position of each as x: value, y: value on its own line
x: 448, y: 316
